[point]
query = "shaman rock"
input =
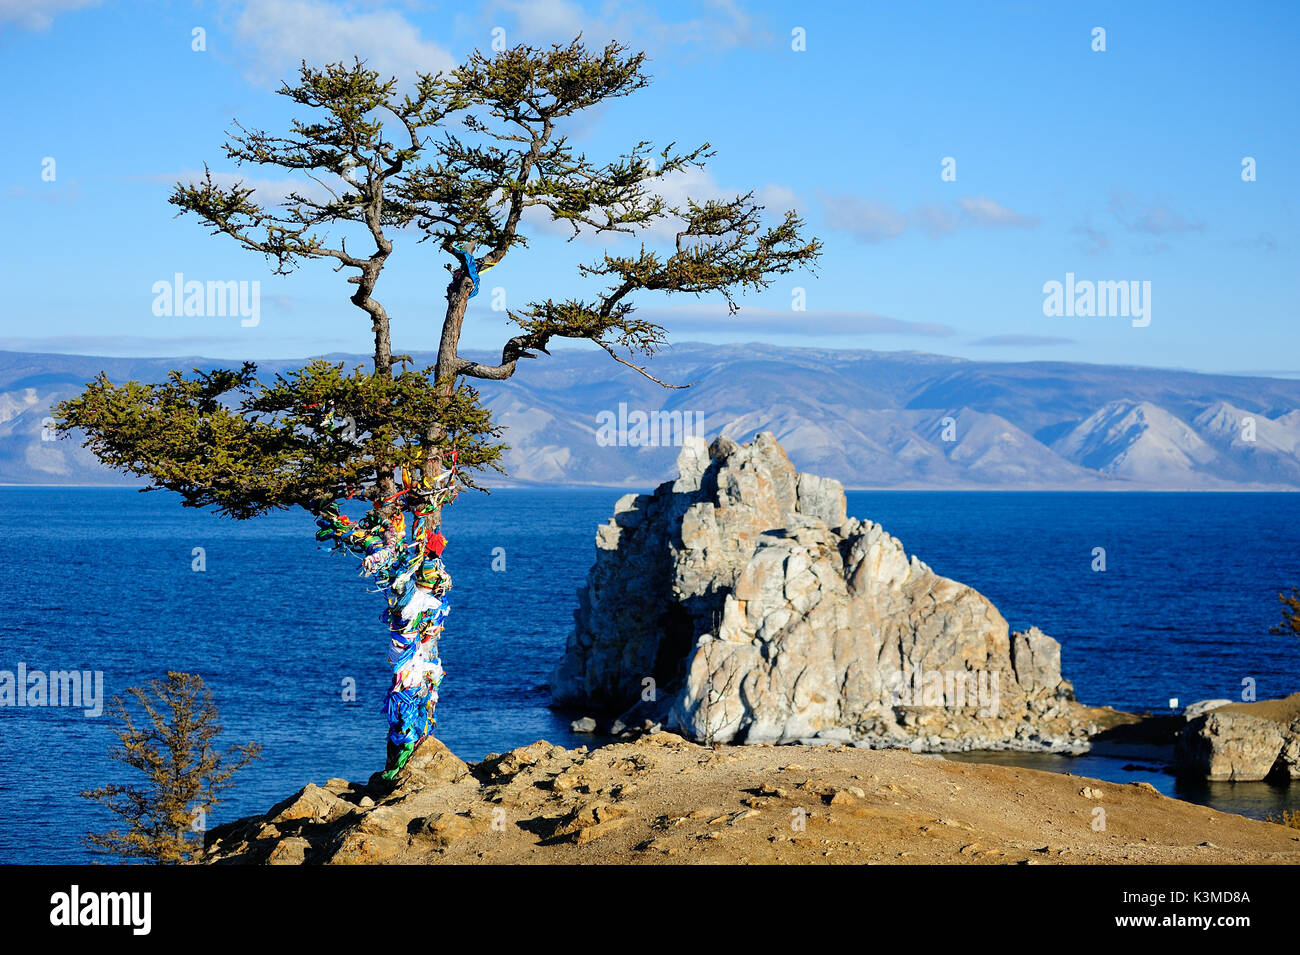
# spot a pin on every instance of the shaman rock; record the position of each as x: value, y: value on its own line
x: 740, y: 603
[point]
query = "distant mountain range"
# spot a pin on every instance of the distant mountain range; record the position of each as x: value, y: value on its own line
x: 869, y: 419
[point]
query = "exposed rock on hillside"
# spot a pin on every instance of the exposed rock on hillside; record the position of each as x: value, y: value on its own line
x: 739, y: 603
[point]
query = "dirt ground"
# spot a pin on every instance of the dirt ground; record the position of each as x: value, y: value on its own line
x: 661, y: 799
x: 1280, y: 711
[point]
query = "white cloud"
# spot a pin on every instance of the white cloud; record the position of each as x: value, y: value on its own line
x: 1141, y: 218
x: 51, y: 194
x: 38, y: 14
x: 777, y: 198
x: 267, y: 192
x: 718, y: 24
x: 983, y: 211
x: 278, y: 34
x: 1096, y: 240
x: 867, y: 219
x: 876, y: 221
x: 1149, y: 218
x: 554, y: 21
x: 699, y: 184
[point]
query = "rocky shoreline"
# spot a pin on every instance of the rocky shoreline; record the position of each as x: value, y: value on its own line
x: 739, y: 603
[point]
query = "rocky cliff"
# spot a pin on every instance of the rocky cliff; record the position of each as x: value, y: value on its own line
x: 740, y: 603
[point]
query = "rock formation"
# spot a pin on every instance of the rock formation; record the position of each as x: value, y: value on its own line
x: 1241, y: 741
x: 740, y: 603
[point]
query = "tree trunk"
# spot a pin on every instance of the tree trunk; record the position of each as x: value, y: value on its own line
x: 449, y: 345
x: 413, y: 579
x: 410, y: 575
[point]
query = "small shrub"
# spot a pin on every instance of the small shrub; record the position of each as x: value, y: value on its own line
x: 184, y: 774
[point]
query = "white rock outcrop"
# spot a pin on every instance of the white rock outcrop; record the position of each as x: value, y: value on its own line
x: 740, y: 603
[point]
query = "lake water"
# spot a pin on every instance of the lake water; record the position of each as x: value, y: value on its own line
x: 101, y: 579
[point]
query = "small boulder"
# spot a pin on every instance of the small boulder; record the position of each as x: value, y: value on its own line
x: 432, y: 764
x: 591, y: 833
x: 447, y: 828
x: 1201, y: 707
x: 291, y: 851
x: 590, y: 814
x: 310, y: 804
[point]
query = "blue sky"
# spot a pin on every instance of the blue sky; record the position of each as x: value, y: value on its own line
x: 1115, y: 165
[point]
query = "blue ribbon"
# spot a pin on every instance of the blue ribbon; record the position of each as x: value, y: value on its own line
x: 471, y: 267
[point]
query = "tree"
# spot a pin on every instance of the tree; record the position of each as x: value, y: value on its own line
x: 458, y: 160
x: 1290, y: 625
x: 185, y: 775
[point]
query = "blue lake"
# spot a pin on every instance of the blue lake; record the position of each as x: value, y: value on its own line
x: 101, y: 579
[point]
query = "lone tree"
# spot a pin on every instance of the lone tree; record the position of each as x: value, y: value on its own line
x: 459, y: 160
x: 184, y: 774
